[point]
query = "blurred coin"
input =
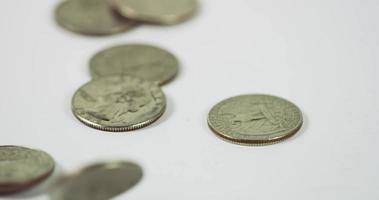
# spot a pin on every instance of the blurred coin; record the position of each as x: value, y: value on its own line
x: 118, y: 103
x: 98, y: 182
x: 255, y: 119
x: 138, y: 60
x: 22, y: 168
x: 92, y: 17
x: 156, y: 11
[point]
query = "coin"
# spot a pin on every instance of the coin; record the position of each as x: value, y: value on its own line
x: 139, y: 60
x: 22, y: 168
x: 118, y: 103
x: 98, y: 182
x: 255, y: 119
x: 92, y: 17
x: 156, y: 11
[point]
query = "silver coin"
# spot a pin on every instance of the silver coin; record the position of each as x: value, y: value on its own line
x: 156, y: 11
x: 91, y: 17
x: 118, y: 103
x: 138, y: 60
x: 22, y: 168
x: 255, y: 119
x: 98, y: 182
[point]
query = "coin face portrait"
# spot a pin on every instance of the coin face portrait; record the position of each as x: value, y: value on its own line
x: 138, y: 60
x: 98, y: 182
x: 255, y: 119
x: 156, y: 11
x: 118, y: 103
x: 21, y: 168
x: 92, y: 17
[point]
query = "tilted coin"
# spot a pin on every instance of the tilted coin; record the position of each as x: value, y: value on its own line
x: 98, y: 182
x: 255, y: 119
x: 139, y: 60
x: 156, y: 11
x: 22, y: 168
x: 92, y: 17
x: 118, y: 103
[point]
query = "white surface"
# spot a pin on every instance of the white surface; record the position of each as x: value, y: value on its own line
x: 322, y: 55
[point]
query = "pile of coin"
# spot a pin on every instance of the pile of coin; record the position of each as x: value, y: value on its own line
x: 124, y: 93
x: 105, y: 17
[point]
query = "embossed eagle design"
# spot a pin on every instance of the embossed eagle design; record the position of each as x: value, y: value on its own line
x: 256, y: 119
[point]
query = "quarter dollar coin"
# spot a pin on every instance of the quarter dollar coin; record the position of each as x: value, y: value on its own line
x: 139, y: 60
x: 255, y: 119
x: 90, y: 17
x: 22, y: 168
x: 98, y: 182
x: 165, y: 12
x: 118, y: 103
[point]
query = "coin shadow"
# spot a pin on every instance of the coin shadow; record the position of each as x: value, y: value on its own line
x: 170, y: 107
x: 41, y: 188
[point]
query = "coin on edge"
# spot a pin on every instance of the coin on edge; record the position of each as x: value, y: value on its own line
x: 91, y: 17
x: 165, y: 12
x: 255, y: 119
x: 138, y: 60
x: 118, y: 103
x: 98, y: 182
x: 22, y: 168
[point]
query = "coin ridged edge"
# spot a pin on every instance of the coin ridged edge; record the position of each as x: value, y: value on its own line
x: 255, y: 142
x: 121, y: 129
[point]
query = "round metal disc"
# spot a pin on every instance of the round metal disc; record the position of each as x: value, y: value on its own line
x: 118, y: 103
x: 22, y: 168
x: 156, y: 11
x: 255, y: 119
x: 98, y: 182
x: 137, y: 60
x: 91, y: 17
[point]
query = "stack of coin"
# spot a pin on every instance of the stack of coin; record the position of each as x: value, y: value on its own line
x: 124, y: 93
x: 106, y: 17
